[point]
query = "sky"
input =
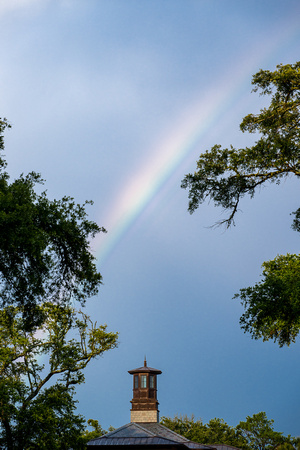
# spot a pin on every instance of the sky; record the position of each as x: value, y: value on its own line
x: 113, y: 101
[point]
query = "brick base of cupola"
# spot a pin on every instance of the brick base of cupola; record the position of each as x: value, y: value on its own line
x: 144, y: 416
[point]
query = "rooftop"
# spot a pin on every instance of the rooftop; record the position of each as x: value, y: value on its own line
x: 145, y: 434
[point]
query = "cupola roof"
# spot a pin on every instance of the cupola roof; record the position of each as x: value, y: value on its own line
x: 145, y: 369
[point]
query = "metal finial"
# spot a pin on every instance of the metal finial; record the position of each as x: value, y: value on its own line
x: 145, y: 362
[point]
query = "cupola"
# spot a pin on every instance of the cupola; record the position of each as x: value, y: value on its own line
x: 144, y: 402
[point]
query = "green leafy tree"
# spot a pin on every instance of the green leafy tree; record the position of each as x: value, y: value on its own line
x: 44, y: 246
x: 46, y: 265
x: 95, y: 433
x: 289, y: 444
x: 184, y: 425
x: 256, y: 433
x: 259, y: 432
x: 39, y: 369
x: 219, y: 432
x: 216, y: 431
x: 273, y: 305
x: 227, y: 175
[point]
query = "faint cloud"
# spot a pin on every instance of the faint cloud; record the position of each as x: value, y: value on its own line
x: 7, y: 6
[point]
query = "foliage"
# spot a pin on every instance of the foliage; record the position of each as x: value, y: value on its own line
x: 183, y: 425
x: 219, y: 432
x: 45, y: 266
x: 273, y: 305
x: 225, y: 176
x: 216, y: 431
x: 44, y: 246
x: 38, y: 371
x: 95, y: 433
x: 256, y: 433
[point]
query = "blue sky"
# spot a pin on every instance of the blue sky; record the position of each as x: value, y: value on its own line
x: 114, y: 100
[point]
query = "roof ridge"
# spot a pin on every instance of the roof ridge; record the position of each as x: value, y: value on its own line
x: 143, y: 428
x: 141, y: 437
x: 114, y: 433
x: 174, y: 432
x: 116, y: 430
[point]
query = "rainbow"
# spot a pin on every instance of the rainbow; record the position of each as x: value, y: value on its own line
x: 174, y: 149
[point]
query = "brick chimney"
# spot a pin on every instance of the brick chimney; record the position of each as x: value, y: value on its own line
x: 144, y: 402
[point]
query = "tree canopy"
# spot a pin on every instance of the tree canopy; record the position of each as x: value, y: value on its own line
x: 38, y: 372
x: 44, y: 245
x: 216, y: 431
x: 95, y: 433
x: 260, y: 435
x: 255, y: 433
x: 46, y: 268
x: 273, y: 305
x: 227, y: 175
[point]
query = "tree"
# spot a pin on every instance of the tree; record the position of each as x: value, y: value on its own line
x: 219, y: 432
x: 258, y: 431
x: 216, y: 431
x: 225, y: 176
x: 46, y: 265
x: 184, y: 425
x: 273, y: 305
x: 38, y: 371
x: 95, y: 433
x: 44, y: 246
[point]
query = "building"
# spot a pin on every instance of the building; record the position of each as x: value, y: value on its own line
x: 144, y: 432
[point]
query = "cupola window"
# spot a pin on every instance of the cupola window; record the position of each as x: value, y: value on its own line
x: 151, y: 382
x: 136, y: 381
x: 143, y: 381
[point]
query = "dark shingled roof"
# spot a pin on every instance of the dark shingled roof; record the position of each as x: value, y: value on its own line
x: 145, y: 369
x: 145, y: 434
